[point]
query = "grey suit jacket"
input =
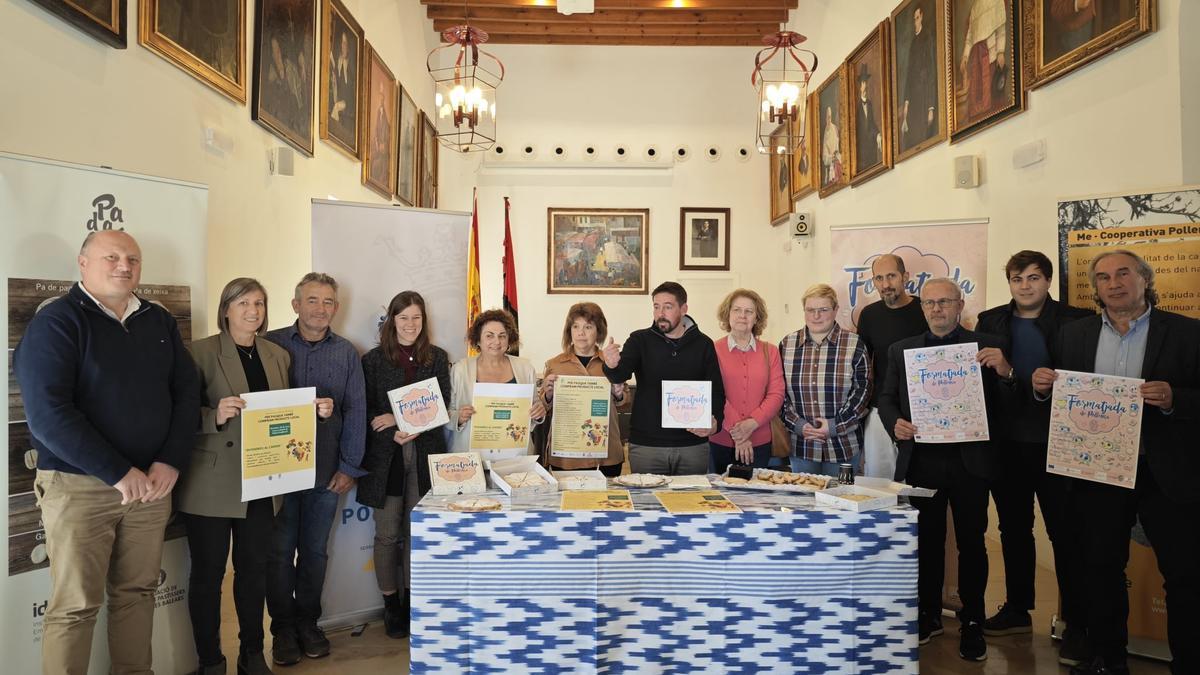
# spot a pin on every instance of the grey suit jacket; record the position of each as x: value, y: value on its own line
x: 212, y: 486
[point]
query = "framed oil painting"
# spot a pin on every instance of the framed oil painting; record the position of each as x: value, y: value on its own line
x: 803, y: 174
x: 595, y: 251
x: 379, y: 125
x: 427, y: 165
x: 984, y: 86
x: 341, y: 77
x: 780, y: 179
x: 831, y: 135
x: 285, y: 41
x: 918, y: 47
x: 206, y: 38
x: 101, y: 19
x: 871, y: 124
x: 703, y: 239
x: 1063, y: 35
x: 406, y: 156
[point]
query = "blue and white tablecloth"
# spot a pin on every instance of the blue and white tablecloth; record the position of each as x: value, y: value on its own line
x: 783, y: 587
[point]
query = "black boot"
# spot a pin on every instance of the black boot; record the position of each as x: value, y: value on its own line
x: 395, y: 616
x: 406, y: 611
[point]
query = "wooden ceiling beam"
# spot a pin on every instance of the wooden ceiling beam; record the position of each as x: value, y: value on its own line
x: 493, y: 15
x: 629, y: 40
x: 657, y: 5
x: 594, y: 28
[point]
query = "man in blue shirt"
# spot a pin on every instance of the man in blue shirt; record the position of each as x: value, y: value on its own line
x: 1133, y: 338
x: 297, y: 561
x: 1030, y: 323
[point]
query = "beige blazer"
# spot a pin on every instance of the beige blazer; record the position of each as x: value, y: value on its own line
x: 212, y: 485
x: 462, y: 386
x: 567, y: 364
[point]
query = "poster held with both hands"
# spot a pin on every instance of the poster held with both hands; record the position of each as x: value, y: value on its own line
x: 279, y: 438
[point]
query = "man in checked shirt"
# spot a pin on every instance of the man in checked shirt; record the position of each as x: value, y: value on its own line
x: 827, y: 383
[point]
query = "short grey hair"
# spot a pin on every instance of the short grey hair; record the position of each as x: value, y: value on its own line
x: 1143, y: 268
x: 234, y: 290
x: 317, y: 278
x: 947, y: 281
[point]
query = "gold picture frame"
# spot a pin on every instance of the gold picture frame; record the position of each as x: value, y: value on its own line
x: 215, y: 57
x: 341, y: 56
x: 285, y: 45
x: 101, y: 19
x: 408, y: 139
x: 1059, y: 39
x: 918, y: 77
x: 597, y: 251
x: 378, y: 123
x: 868, y: 73
x: 984, y: 78
x: 804, y: 165
x: 427, y: 163
x: 831, y: 134
x: 779, y: 180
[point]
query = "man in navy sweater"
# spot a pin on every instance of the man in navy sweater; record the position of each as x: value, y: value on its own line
x: 113, y: 403
x: 673, y: 348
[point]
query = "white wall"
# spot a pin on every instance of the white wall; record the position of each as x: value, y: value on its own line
x: 76, y: 99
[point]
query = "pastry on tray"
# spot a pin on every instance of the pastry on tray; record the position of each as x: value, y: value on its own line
x: 641, y: 480
x: 475, y: 505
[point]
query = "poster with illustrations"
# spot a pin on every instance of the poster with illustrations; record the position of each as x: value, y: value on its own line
x: 419, y: 406
x: 501, y: 420
x: 686, y: 404
x: 945, y: 393
x: 1095, y: 428
x: 279, y: 437
x: 580, y: 423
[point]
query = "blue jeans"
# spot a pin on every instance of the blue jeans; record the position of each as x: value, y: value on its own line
x: 825, y: 468
x: 297, y: 558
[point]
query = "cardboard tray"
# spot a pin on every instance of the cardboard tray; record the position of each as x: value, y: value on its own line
x: 589, y: 479
x: 833, y: 498
x: 502, y: 467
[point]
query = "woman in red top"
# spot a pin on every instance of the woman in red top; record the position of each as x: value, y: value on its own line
x: 753, y: 376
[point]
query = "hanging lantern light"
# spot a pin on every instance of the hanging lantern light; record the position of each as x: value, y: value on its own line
x: 782, y: 92
x: 465, y: 89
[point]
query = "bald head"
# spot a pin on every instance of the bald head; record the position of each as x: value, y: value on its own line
x: 110, y: 266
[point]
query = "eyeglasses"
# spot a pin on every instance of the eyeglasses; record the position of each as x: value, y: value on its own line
x: 944, y: 303
x: 817, y: 311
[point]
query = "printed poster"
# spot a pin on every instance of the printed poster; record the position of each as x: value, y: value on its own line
x: 695, y: 501
x: 579, y: 427
x: 595, y: 500
x: 1095, y: 428
x: 279, y: 437
x: 457, y: 473
x: 501, y: 420
x: 686, y: 404
x: 419, y: 406
x: 945, y: 393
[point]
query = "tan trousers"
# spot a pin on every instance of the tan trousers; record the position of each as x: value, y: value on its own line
x: 96, y: 545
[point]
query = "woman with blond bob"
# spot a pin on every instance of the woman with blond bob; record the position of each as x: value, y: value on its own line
x: 492, y: 333
x: 585, y: 329
x: 827, y: 371
x: 753, y: 379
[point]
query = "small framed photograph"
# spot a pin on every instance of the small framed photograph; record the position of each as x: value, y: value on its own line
x: 703, y: 239
x: 206, y: 38
x: 102, y: 19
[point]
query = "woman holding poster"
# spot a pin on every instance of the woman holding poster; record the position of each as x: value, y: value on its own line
x: 584, y: 329
x: 398, y: 462
x: 490, y: 334
x: 753, y: 377
x: 232, y: 362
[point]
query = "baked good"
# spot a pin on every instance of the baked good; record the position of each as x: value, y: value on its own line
x: 475, y: 505
x: 524, y: 479
x: 641, y: 480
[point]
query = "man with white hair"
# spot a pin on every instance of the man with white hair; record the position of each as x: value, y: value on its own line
x: 958, y: 471
x: 1133, y: 338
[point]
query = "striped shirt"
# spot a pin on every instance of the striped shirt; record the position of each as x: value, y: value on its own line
x: 830, y: 379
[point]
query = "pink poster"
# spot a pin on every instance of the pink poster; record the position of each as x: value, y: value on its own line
x: 945, y: 394
x: 1095, y: 428
x: 957, y: 251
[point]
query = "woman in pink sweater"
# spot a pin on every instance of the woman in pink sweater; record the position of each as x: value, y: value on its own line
x: 753, y: 376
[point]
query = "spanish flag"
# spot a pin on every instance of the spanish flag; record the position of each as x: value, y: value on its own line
x: 474, y: 304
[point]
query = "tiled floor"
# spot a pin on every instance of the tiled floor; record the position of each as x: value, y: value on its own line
x: 372, y: 652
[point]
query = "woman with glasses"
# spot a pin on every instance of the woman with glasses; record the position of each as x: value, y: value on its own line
x: 827, y: 375
x: 753, y: 384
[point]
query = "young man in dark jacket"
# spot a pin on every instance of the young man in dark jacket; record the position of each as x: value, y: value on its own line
x: 1030, y: 322
x: 673, y: 348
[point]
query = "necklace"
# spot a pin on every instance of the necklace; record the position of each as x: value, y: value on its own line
x: 405, y: 351
x: 249, y: 353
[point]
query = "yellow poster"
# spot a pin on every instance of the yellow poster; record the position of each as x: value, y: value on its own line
x: 279, y: 436
x: 699, y: 501
x: 501, y: 419
x: 579, y: 428
x: 1172, y: 250
x: 596, y: 500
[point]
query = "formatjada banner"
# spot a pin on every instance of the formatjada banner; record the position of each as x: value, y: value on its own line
x: 580, y: 422
x: 47, y: 207
x: 279, y: 438
x: 953, y: 249
x: 500, y: 425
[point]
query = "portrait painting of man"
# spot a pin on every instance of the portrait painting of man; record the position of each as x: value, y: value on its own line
x: 206, y: 38
x: 379, y: 159
x: 779, y: 177
x: 102, y: 19
x: 406, y: 157
x: 341, y: 55
x: 870, y: 128
x: 1072, y: 33
x: 918, y: 76
x: 985, y: 77
x: 285, y: 41
x: 831, y: 148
